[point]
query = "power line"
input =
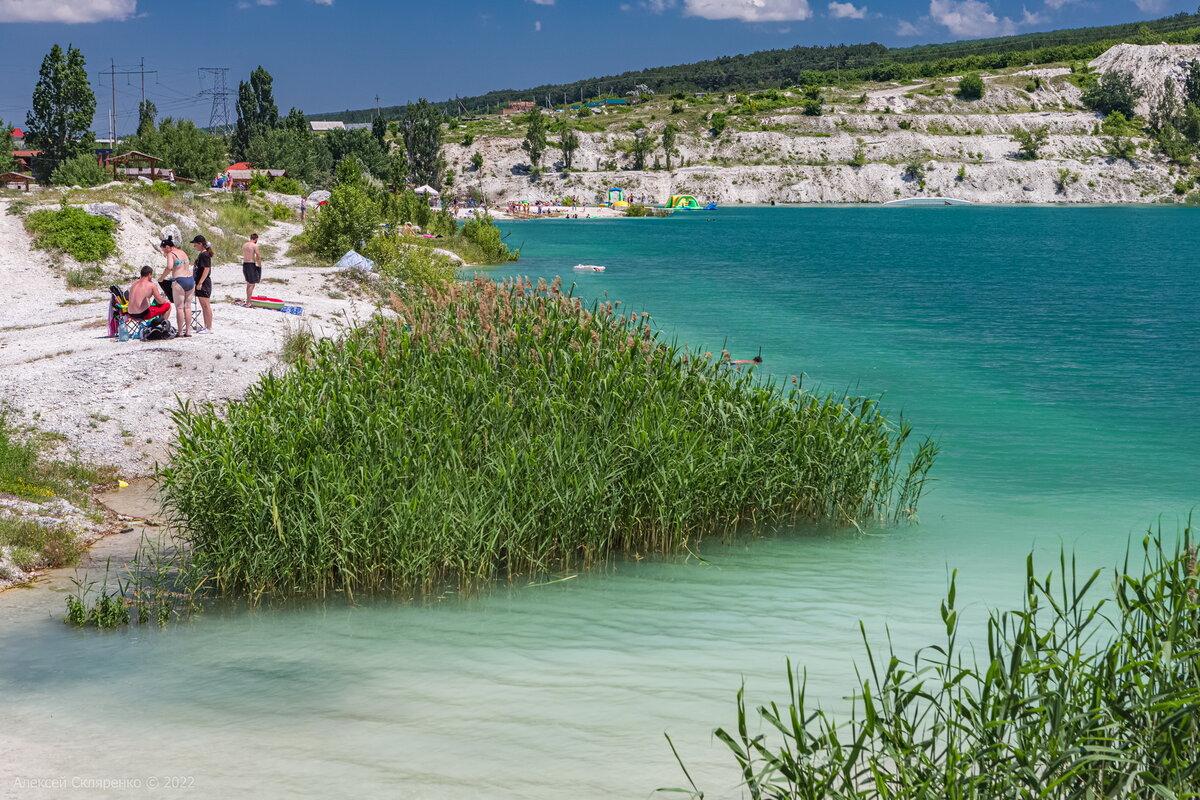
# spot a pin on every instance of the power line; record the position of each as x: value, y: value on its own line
x: 218, y: 90
x: 113, y: 72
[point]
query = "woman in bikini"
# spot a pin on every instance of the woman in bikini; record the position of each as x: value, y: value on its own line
x: 183, y: 284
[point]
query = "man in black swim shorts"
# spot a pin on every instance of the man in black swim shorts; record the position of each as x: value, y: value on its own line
x: 251, y: 265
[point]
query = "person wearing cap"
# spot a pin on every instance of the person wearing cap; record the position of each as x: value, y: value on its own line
x: 202, y: 272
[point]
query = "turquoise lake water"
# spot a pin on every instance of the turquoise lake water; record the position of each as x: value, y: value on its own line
x: 1053, y: 353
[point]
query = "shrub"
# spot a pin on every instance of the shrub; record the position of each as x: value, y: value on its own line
x: 493, y: 430
x: 281, y: 213
x: 73, y: 231
x: 410, y: 264
x: 1029, y: 142
x: 971, y: 87
x: 163, y: 189
x: 717, y: 123
x: 1120, y: 147
x: 961, y: 175
x: 476, y: 161
x: 915, y: 171
x: 1065, y: 178
x: 481, y: 231
x: 1114, y: 91
x: 82, y: 170
x: 1117, y: 124
x: 346, y: 222
x: 1069, y: 695
x: 859, y: 159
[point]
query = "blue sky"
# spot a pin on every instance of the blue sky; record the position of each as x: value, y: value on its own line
x: 327, y: 55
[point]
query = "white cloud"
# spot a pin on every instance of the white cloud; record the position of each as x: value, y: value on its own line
x: 542, y: 2
x: 970, y: 18
x: 68, y: 11
x: 659, y: 6
x: 1150, y: 6
x: 906, y: 28
x: 749, y: 10
x: 323, y: 2
x: 537, y: 25
x: 1057, y: 4
x: 847, y: 11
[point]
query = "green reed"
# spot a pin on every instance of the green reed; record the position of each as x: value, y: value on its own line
x: 1076, y: 697
x: 487, y: 430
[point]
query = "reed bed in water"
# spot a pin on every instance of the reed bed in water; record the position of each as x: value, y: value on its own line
x: 1074, y: 696
x: 496, y: 429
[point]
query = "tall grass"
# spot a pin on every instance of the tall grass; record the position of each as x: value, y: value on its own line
x: 497, y: 429
x: 1074, y: 697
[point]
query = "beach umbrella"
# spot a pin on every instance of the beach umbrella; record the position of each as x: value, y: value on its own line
x: 319, y: 196
x: 427, y: 189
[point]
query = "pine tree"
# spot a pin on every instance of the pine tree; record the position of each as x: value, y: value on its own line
x: 60, y: 121
x: 568, y: 143
x: 1166, y: 110
x: 421, y: 127
x: 379, y: 129
x: 535, y: 137
x: 146, y: 114
x: 1191, y: 84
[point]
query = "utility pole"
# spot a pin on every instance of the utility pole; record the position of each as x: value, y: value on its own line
x: 218, y: 117
x: 378, y: 113
x: 113, y: 72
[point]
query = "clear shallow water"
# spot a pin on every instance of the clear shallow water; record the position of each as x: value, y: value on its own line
x: 1053, y: 353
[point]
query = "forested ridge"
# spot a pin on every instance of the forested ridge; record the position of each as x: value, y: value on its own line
x: 831, y: 64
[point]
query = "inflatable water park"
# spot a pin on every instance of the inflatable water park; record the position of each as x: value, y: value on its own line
x: 683, y: 202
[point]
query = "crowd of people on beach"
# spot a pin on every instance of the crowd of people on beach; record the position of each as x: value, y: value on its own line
x: 183, y: 281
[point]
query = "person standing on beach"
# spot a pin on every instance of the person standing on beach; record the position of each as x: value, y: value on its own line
x: 251, y: 265
x: 202, y: 272
x: 183, y: 285
x: 303, y: 208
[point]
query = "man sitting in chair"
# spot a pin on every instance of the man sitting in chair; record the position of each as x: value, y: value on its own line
x: 146, y: 300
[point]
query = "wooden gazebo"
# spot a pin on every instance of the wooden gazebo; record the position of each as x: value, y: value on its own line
x: 134, y: 165
x: 15, y: 179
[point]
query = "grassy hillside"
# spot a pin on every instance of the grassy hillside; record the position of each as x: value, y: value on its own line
x: 838, y: 64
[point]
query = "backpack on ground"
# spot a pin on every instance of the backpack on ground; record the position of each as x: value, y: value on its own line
x: 158, y: 328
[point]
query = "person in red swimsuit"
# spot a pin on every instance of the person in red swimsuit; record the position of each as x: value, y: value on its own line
x: 146, y: 300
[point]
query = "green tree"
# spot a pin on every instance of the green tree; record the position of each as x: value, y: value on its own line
x: 147, y: 111
x: 421, y: 128
x: 379, y: 129
x: 296, y: 122
x: 193, y: 153
x: 668, y: 143
x: 568, y: 144
x: 395, y: 172
x: 295, y: 151
x: 7, y: 162
x: 535, y: 137
x: 971, y: 87
x: 639, y: 147
x: 1167, y: 110
x: 358, y: 143
x: 60, y: 120
x: 256, y: 111
x: 1029, y: 142
x: 1115, y: 91
x: 81, y: 170
x: 1191, y: 83
x: 350, y: 218
x: 477, y: 160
